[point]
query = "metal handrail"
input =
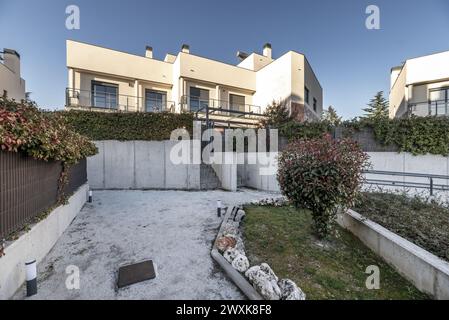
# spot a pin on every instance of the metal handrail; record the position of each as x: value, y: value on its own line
x: 429, y: 108
x: 421, y: 185
x: 85, y: 99
x: 217, y: 105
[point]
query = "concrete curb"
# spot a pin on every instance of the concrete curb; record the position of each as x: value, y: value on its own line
x: 238, y: 279
x: 426, y: 271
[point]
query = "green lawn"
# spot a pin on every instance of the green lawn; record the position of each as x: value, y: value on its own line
x: 331, y: 269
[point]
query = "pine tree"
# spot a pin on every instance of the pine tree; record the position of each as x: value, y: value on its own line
x: 330, y: 115
x: 377, y: 108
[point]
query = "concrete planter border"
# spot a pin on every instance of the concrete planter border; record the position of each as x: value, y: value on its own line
x: 426, y: 271
x: 36, y: 243
x: 239, y: 280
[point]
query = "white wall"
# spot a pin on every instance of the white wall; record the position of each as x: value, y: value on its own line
x: 12, y: 83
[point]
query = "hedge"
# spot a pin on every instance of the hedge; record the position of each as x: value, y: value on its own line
x: 128, y: 126
x: 417, y: 135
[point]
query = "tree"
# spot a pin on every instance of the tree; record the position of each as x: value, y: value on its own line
x: 377, y: 108
x: 275, y: 115
x: 322, y: 175
x: 330, y: 115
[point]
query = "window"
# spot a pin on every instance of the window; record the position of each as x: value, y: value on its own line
x: 199, y: 98
x: 314, y: 104
x: 155, y: 100
x: 104, y: 95
x: 236, y: 102
x: 439, y: 99
x: 306, y: 95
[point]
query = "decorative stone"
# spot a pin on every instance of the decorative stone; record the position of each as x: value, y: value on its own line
x: 231, y: 253
x: 240, y: 263
x: 264, y: 283
x: 225, y: 242
x: 266, y: 268
x: 290, y: 291
x: 240, y: 215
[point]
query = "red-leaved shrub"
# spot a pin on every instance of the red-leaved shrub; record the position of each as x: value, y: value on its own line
x: 321, y: 175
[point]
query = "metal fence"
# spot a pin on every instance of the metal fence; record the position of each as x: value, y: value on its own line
x: 28, y: 187
x: 432, y: 182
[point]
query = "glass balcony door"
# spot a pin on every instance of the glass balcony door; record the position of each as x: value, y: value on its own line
x: 104, y: 95
x: 236, y: 102
x: 199, y: 98
x: 155, y: 100
x: 439, y: 101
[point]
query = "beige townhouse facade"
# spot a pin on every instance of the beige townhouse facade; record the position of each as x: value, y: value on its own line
x: 420, y: 86
x: 105, y: 79
x: 11, y: 84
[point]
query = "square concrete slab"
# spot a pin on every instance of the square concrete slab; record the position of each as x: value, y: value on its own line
x: 135, y: 273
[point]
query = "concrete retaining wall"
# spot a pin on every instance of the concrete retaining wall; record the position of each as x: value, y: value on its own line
x: 406, y: 162
x: 36, y: 243
x: 426, y: 271
x: 139, y: 165
x: 227, y: 170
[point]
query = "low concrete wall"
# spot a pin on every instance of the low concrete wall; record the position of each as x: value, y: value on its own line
x: 426, y: 271
x: 139, y: 165
x: 36, y: 243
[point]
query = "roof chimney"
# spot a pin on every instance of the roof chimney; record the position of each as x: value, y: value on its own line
x: 149, y: 52
x: 185, y: 48
x: 242, y: 55
x: 11, y: 59
x: 267, y: 50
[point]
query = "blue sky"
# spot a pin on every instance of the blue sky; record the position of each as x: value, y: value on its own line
x: 351, y: 62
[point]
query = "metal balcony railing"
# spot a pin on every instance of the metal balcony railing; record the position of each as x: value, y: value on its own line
x: 196, y: 104
x: 429, y: 108
x: 90, y: 100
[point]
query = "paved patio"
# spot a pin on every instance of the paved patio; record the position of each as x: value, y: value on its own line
x: 173, y: 228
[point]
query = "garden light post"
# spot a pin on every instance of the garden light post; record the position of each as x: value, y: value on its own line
x: 31, y: 277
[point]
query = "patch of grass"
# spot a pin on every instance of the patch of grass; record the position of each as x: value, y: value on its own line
x: 331, y: 269
x: 426, y: 224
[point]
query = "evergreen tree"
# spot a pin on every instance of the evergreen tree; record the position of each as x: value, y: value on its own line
x: 377, y: 108
x: 330, y: 115
x: 276, y: 115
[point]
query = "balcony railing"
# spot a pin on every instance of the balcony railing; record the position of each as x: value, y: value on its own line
x: 429, y: 108
x: 90, y: 100
x: 219, y: 107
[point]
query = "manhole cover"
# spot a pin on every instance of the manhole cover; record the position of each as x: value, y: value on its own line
x: 135, y: 273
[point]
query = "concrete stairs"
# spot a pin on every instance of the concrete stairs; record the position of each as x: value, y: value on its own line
x: 208, y: 178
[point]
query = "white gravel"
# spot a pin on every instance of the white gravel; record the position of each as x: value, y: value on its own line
x: 173, y: 228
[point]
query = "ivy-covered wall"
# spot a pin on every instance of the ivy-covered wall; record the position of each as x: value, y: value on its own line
x: 128, y: 126
x: 417, y: 135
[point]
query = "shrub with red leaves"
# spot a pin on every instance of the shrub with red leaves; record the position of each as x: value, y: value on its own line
x: 322, y: 174
x: 42, y: 135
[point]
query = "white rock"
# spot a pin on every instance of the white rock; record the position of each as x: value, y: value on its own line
x: 263, y: 283
x: 240, y: 263
x: 231, y: 253
x: 240, y: 215
x: 266, y: 268
x: 290, y: 291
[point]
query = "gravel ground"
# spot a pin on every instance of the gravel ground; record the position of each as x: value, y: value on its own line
x: 173, y: 228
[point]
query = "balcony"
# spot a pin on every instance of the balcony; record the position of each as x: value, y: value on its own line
x: 112, y: 102
x: 221, y: 113
x: 429, y: 108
